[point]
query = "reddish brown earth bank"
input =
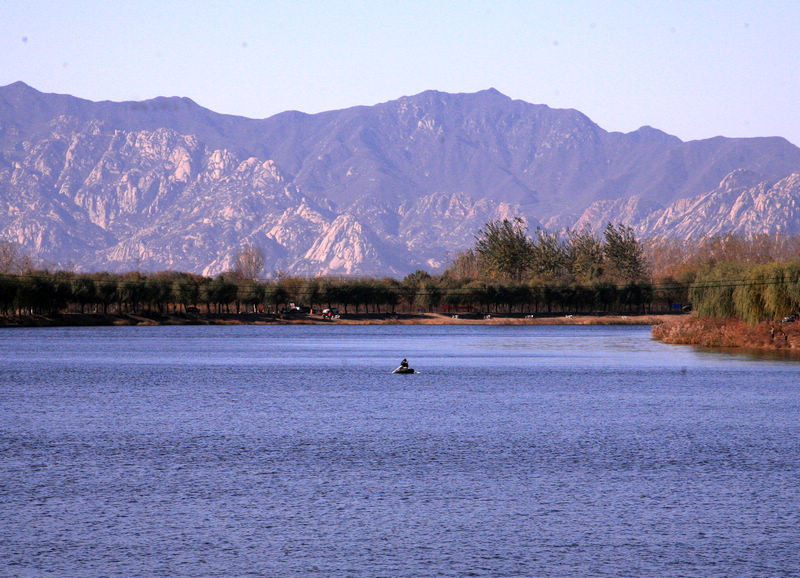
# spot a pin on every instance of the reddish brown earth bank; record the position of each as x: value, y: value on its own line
x: 703, y: 332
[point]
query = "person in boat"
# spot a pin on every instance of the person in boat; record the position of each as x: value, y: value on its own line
x: 404, y: 364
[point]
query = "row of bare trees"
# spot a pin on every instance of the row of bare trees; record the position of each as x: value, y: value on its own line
x: 163, y: 293
x: 506, y: 271
x: 504, y: 251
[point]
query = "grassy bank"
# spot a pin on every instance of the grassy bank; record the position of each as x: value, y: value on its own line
x: 96, y: 319
x: 728, y: 333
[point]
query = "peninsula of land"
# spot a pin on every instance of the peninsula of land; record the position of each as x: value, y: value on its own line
x: 729, y: 333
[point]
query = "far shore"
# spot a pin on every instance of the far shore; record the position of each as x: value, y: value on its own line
x: 98, y: 319
x: 675, y: 328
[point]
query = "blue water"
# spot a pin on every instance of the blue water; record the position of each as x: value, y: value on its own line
x: 292, y: 451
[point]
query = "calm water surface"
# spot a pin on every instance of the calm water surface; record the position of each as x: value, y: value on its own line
x: 292, y: 450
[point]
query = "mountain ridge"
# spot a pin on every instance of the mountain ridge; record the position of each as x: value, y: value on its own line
x: 166, y: 183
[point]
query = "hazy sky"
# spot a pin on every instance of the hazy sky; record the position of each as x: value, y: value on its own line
x: 695, y: 69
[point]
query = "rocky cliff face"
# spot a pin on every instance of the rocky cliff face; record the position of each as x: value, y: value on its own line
x: 382, y: 190
x: 741, y: 204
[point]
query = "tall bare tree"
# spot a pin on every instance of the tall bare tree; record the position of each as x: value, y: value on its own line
x: 249, y: 262
x: 585, y: 253
x: 13, y: 260
x: 504, y: 249
x: 623, y: 254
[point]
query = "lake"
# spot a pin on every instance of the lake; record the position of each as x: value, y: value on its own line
x: 293, y: 451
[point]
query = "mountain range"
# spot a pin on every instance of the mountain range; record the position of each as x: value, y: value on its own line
x: 369, y: 190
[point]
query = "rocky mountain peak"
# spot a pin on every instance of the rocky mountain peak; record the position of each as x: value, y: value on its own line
x: 739, y: 179
x: 384, y: 189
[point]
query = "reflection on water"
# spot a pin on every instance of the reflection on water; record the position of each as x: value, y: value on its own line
x: 792, y: 356
x: 294, y: 451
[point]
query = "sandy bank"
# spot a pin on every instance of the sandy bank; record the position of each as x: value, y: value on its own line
x: 87, y: 319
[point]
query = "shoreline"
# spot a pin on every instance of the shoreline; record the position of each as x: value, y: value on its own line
x: 152, y: 319
x: 729, y: 334
x: 669, y: 328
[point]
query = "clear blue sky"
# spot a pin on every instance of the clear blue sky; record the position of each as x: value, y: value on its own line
x: 695, y: 69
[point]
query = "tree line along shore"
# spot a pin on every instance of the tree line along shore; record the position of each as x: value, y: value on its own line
x: 734, y: 285
x: 185, y: 297
x: 507, y: 272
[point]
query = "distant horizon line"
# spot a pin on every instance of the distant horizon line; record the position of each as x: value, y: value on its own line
x: 490, y: 90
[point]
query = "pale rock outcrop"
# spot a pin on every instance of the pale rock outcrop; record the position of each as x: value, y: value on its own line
x: 386, y: 189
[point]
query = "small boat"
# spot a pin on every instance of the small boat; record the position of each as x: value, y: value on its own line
x: 404, y: 369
